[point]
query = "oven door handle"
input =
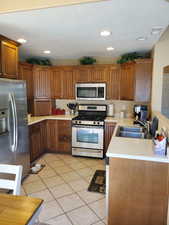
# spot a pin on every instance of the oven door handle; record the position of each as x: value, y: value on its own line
x: 87, y: 126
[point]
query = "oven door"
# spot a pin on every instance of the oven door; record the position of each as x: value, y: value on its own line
x: 87, y: 137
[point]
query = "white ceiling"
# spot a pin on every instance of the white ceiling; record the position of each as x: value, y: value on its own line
x: 71, y: 32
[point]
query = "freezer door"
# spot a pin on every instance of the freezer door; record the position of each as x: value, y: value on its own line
x: 14, y: 142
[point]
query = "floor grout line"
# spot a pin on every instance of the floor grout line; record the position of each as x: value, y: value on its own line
x: 74, y: 192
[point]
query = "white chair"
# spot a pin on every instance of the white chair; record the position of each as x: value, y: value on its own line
x: 14, y: 185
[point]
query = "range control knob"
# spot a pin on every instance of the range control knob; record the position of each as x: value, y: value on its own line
x: 98, y: 123
x: 79, y: 121
x: 94, y: 122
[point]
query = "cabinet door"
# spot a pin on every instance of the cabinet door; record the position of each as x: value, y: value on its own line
x: 97, y: 74
x: 9, y: 60
x: 52, y: 135
x: 43, y: 132
x: 113, y: 84
x: 42, y: 107
x: 143, y: 73
x: 26, y: 73
x: 56, y: 83
x: 83, y: 74
x: 127, y: 82
x: 109, y: 129
x: 68, y: 84
x: 42, y: 82
x: 35, y: 141
x: 64, y: 136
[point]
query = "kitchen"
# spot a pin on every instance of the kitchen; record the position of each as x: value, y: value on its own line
x: 72, y: 143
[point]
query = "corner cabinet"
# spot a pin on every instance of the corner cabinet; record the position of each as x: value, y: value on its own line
x: 8, y: 58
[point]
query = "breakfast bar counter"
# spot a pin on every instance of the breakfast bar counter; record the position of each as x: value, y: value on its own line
x: 137, y: 181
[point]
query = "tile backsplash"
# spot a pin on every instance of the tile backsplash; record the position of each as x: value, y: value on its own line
x: 126, y: 106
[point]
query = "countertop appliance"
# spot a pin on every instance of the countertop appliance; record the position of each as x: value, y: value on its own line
x: 13, y: 124
x: 90, y: 91
x: 88, y: 131
x: 110, y: 111
x: 140, y: 113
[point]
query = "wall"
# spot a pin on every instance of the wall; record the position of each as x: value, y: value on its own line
x: 126, y: 106
x: 161, y: 59
x: 99, y: 60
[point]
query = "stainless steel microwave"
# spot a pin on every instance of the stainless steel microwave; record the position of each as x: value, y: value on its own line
x: 90, y: 91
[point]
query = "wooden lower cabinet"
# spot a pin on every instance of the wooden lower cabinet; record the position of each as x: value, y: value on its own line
x: 64, y: 136
x: 52, y: 135
x: 109, y: 129
x: 138, y: 192
x: 59, y: 136
x: 37, y: 140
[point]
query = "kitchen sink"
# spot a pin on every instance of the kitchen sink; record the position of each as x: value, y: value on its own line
x: 131, y: 132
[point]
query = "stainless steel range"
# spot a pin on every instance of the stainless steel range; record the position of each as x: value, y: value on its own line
x: 88, y: 131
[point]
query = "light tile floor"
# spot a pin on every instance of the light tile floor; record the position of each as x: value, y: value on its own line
x: 63, y: 185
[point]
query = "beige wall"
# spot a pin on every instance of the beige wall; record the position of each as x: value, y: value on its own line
x: 100, y: 60
x: 161, y: 59
x: 22, y: 5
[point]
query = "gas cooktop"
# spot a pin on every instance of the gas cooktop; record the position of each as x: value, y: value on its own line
x: 90, y: 118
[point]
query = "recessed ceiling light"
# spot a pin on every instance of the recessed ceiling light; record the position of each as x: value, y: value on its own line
x: 110, y: 48
x: 21, y: 40
x: 156, y: 30
x: 105, y: 33
x: 47, y: 52
x: 141, y: 39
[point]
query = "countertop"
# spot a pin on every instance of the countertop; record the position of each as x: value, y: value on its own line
x: 37, y: 119
x: 132, y: 148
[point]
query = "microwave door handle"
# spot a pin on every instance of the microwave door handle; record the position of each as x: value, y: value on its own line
x: 14, y: 124
x: 97, y: 92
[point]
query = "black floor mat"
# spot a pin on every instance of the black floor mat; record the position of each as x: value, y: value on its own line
x: 98, y: 182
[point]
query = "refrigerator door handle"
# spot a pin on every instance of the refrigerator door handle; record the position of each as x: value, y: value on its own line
x: 15, y: 122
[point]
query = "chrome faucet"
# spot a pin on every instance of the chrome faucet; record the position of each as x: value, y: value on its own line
x: 145, y: 124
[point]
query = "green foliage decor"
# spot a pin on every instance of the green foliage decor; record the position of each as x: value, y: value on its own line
x: 37, y: 61
x: 132, y: 56
x: 86, y: 60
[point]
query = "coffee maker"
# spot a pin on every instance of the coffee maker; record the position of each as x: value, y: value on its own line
x: 140, y: 113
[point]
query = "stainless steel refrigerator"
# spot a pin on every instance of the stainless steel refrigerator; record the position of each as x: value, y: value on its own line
x: 14, y: 141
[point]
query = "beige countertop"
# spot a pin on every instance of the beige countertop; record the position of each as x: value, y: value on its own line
x: 132, y: 148
x: 37, y: 119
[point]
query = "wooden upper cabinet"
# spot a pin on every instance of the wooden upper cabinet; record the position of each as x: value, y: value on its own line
x: 143, y: 75
x: 127, y: 81
x: 56, y: 83
x: 83, y: 74
x: 8, y: 58
x: 97, y: 74
x: 113, y: 83
x: 68, y: 83
x: 42, y: 82
x: 26, y: 73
